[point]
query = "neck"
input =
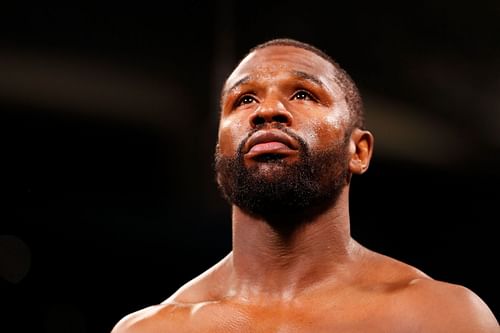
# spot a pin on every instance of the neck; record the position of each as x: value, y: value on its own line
x: 282, y: 262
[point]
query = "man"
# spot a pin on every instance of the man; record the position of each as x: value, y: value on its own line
x: 290, y: 138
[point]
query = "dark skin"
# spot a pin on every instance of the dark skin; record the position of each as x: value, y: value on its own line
x: 307, y: 277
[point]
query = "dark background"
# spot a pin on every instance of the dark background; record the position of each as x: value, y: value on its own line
x: 108, y: 122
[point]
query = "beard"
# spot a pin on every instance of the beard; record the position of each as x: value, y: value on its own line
x: 277, y: 189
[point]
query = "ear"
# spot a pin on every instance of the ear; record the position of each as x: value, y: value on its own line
x: 360, y: 151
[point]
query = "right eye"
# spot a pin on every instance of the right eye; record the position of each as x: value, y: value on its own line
x: 245, y: 99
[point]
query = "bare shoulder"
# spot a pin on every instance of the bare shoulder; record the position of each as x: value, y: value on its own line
x: 445, y: 307
x: 174, y: 314
x: 434, y: 305
x: 156, y: 318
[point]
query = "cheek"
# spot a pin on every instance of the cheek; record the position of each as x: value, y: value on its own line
x: 231, y: 133
x: 339, y: 117
x: 311, y: 132
x: 321, y: 132
x: 336, y: 121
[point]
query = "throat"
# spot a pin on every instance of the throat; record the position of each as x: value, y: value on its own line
x: 285, y: 261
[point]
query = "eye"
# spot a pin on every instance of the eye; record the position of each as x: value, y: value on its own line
x: 304, y: 95
x: 245, y: 99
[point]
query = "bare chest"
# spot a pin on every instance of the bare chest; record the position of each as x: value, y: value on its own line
x: 304, y: 318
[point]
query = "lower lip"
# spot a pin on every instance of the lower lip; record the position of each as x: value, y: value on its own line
x: 268, y: 147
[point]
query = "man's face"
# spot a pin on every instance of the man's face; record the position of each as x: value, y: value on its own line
x: 282, y: 140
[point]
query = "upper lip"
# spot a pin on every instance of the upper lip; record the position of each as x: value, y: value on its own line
x: 272, y: 135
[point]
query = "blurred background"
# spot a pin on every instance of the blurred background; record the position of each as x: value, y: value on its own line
x: 108, y: 120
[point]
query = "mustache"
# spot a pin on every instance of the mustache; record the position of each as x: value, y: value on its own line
x: 302, y: 143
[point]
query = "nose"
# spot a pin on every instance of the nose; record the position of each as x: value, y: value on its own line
x: 271, y: 112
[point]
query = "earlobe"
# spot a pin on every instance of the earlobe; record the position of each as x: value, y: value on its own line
x: 361, y: 148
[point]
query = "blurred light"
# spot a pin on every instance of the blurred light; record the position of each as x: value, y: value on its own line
x: 75, y: 83
x: 15, y: 258
x: 404, y: 132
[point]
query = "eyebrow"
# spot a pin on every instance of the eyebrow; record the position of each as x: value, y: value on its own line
x: 238, y: 83
x: 297, y: 74
x: 308, y: 77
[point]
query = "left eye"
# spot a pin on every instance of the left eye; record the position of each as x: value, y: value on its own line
x: 304, y: 95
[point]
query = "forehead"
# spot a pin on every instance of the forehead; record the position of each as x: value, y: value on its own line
x: 277, y: 59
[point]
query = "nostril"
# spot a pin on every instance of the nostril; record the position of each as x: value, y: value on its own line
x: 262, y: 117
x: 258, y: 121
x: 280, y: 119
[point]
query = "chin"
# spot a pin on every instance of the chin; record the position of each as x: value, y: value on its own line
x: 268, y: 170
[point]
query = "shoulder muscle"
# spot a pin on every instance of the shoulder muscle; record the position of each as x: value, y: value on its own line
x: 154, y: 318
x: 445, y: 307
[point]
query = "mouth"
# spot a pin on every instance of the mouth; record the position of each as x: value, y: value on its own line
x: 270, y: 145
x: 269, y: 158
